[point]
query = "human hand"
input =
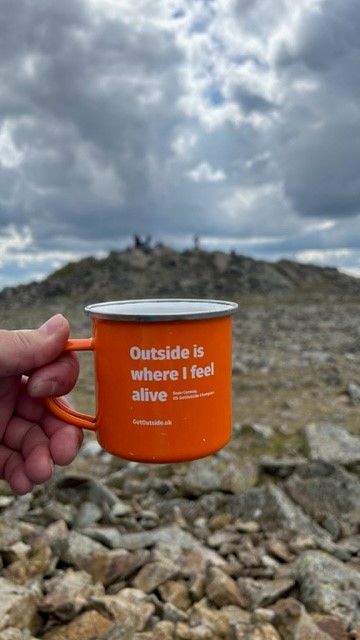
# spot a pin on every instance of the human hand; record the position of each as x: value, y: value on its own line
x: 32, y: 440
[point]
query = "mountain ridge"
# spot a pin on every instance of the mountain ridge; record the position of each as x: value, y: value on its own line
x: 145, y: 272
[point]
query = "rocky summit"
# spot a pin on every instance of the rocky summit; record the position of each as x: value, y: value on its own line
x: 147, y: 272
x: 260, y: 541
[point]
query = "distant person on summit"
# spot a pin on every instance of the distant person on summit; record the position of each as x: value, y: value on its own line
x: 33, y: 366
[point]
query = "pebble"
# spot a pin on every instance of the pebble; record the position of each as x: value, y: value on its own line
x: 332, y: 443
x: 328, y: 585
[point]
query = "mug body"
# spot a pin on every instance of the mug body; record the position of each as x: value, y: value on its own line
x: 163, y: 378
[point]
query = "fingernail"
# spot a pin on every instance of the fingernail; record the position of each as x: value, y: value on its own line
x: 43, y: 389
x: 51, y: 325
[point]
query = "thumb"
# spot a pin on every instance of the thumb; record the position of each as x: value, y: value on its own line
x: 27, y: 349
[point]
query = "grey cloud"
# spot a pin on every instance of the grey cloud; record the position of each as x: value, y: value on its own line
x: 92, y: 85
x: 343, y: 238
x: 321, y: 170
x: 326, y: 39
x: 317, y: 141
x: 29, y: 26
x: 250, y: 101
x: 259, y: 17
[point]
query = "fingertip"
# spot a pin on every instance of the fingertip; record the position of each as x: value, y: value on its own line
x: 39, y: 466
x: 54, y: 324
x: 65, y: 444
x: 19, y: 482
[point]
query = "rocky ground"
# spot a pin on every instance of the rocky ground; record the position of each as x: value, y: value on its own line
x: 258, y: 542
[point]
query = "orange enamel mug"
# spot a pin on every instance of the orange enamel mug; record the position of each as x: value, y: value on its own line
x: 162, y: 378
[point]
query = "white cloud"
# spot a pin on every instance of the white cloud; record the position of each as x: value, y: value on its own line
x: 323, y: 256
x: 205, y: 173
x: 14, y: 240
x: 10, y: 156
x: 323, y: 225
x: 17, y: 246
x: 184, y: 143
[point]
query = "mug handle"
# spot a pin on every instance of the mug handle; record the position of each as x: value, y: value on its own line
x: 59, y: 408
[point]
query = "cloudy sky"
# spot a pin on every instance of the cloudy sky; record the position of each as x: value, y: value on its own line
x: 237, y: 121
